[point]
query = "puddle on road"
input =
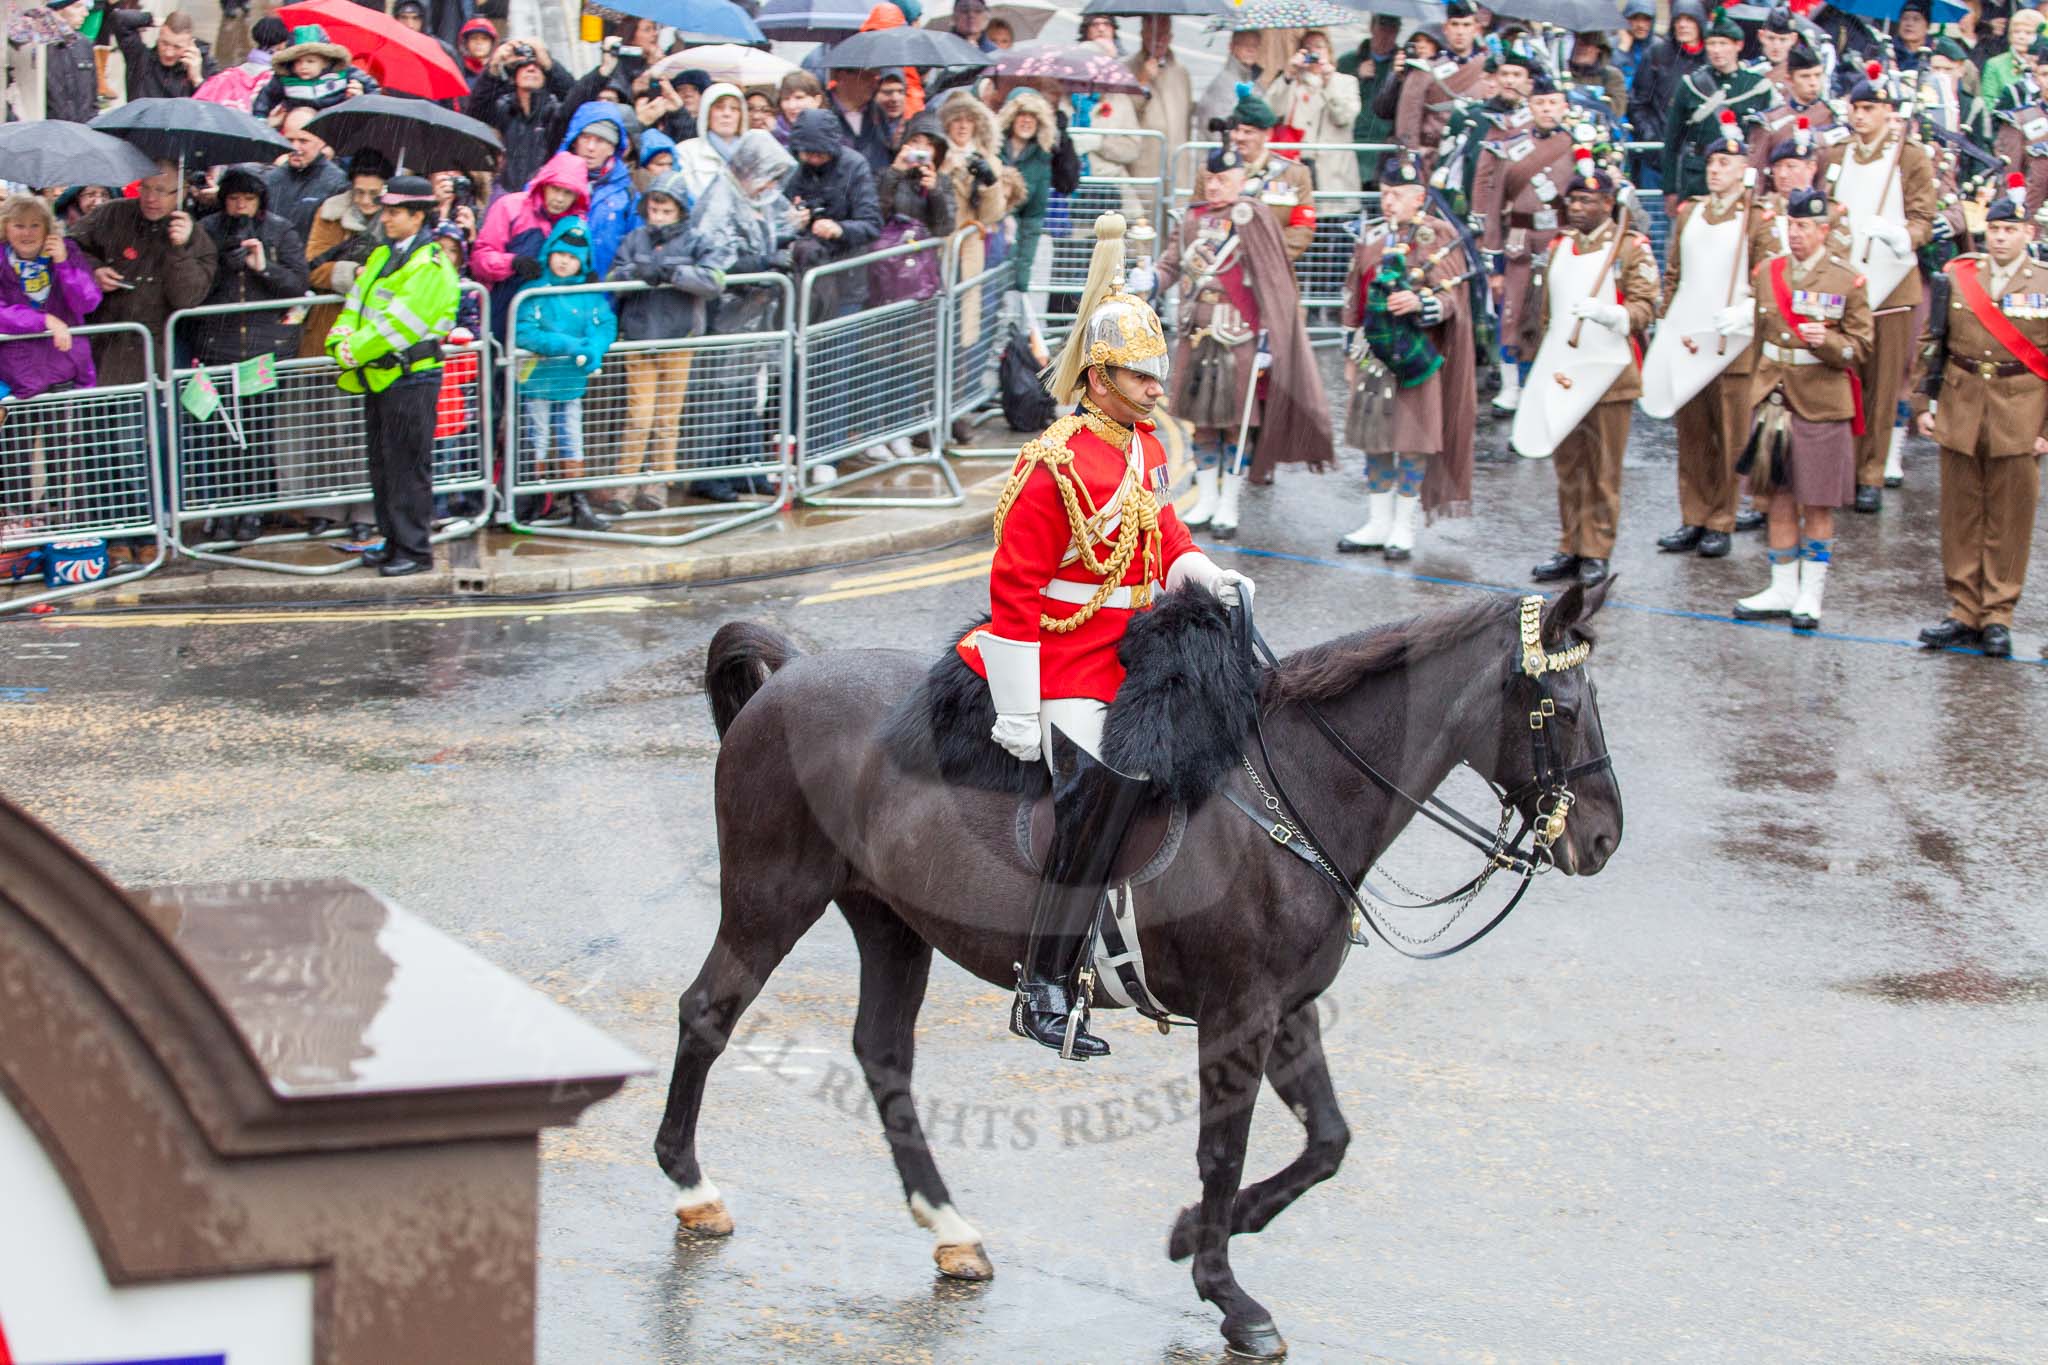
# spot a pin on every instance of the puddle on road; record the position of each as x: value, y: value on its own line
x: 1953, y: 986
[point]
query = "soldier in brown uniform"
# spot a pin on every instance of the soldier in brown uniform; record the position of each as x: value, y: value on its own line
x: 1813, y: 328
x: 1518, y: 196
x: 1776, y: 41
x: 2021, y: 118
x: 1588, y: 461
x: 1713, y: 425
x: 1802, y: 97
x: 1874, y: 143
x: 1987, y: 370
x: 1285, y: 187
x: 1430, y: 82
x: 1413, y: 401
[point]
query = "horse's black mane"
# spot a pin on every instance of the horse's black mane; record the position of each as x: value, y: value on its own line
x: 1327, y: 671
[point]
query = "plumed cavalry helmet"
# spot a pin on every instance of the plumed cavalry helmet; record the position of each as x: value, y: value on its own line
x: 1117, y: 328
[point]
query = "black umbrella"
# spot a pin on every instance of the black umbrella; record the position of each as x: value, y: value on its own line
x: 45, y: 154
x: 1197, y: 8
x: 414, y: 134
x: 192, y: 132
x: 907, y: 47
x: 1579, y: 16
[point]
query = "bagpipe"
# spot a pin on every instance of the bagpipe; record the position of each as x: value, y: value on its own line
x: 1390, y: 352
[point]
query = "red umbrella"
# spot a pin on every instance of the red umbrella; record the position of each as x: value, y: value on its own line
x: 400, y: 59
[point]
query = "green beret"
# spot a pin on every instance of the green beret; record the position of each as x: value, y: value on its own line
x: 1724, y: 27
x: 1945, y: 46
x: 1252, y: 111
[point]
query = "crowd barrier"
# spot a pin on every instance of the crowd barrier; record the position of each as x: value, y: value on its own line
x: 79, y: 464
x: 659, y: 419
x: 292, y: 442
x: 785, y: 411
x: 1062, y: 263
x: 979, y: 327
x: 865, y: 378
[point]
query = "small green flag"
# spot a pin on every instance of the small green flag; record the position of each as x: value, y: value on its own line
x: 257, y: 374
x: 200, y: 397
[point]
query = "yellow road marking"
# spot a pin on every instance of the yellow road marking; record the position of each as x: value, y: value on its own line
x: 980, y: 559
x: 956, y: 576
x: 594, y: 606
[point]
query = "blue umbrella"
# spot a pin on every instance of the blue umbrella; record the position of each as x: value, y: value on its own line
x: 715, y: 21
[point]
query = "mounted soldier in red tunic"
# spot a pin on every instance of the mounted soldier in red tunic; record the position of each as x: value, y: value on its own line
x: 1085, y: 540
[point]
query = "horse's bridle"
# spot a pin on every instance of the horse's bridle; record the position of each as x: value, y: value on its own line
x: 1526, y: 854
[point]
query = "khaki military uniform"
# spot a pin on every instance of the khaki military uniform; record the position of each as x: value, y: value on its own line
x: 1814, y: 380
x: 1781, y: 123
x: 1428, y: 90
x: 1518, y: 192
x: 2023, y: 124
x: 1714, y: 425
x: 1588, y: 461
x: 1990, y: 412
x: 1285, y: 188
x: 1884, y: 368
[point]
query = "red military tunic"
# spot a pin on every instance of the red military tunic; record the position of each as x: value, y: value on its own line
x: 1035, y: 545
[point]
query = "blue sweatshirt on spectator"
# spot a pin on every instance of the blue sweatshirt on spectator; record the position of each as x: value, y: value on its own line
x: 612, y: 197
x: 561, y: 327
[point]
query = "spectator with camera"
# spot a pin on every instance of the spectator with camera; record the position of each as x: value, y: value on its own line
x: 512, y: 95
x: 984, y: 189
x: 149, y: 259
x: 1312, y: 95
x: 261, y: 261
x: 836, y: 215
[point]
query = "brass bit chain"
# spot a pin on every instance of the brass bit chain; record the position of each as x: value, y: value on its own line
x: 1464, y: 903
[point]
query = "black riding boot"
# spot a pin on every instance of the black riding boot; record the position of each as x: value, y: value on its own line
x: 1093, y: 806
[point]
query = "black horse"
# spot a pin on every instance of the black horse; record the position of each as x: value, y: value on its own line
x: 813, y: 811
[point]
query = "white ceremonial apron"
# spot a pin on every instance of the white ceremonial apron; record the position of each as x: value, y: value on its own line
x: 1687, y: 353
x: 1856, y: 190
x: 1567, y: 381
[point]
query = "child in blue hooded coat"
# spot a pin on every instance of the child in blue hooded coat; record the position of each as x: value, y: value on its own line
x: 567, y: 335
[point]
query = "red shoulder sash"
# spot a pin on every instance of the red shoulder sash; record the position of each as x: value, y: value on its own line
x: 1998, y: 324
x: 1781, y: 294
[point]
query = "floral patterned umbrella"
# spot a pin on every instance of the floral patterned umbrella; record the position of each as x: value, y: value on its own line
x: 1076, y: 66
x: 1257, y: 14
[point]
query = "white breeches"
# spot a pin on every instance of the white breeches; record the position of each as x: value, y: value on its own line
x: 1079, y: 719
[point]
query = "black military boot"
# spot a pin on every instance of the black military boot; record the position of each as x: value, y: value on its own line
x: 1949, y: 634
x: 1093, y: 806
x: 1559, y: 565
x: 1682, y: 541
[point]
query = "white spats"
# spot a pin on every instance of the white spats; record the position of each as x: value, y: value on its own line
x: 701, y: 1210
x: 956, y: 1246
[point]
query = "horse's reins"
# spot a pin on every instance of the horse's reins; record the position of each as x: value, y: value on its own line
x: 1549, y: 782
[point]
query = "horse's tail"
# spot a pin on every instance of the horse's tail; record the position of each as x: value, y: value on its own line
x: 743, y: 656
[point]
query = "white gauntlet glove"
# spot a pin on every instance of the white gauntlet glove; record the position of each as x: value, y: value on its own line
x: 1012, y: 667
x: 1227, y: 586
x: 1612, y: 316
x: 1896, y: 239
x: 1018, y: 734
x: 1736, y: 318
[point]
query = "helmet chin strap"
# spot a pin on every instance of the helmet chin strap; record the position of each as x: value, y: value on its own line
x: 1143, y: 410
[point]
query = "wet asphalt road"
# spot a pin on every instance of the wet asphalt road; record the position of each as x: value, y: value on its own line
x: 1771, y: 1086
